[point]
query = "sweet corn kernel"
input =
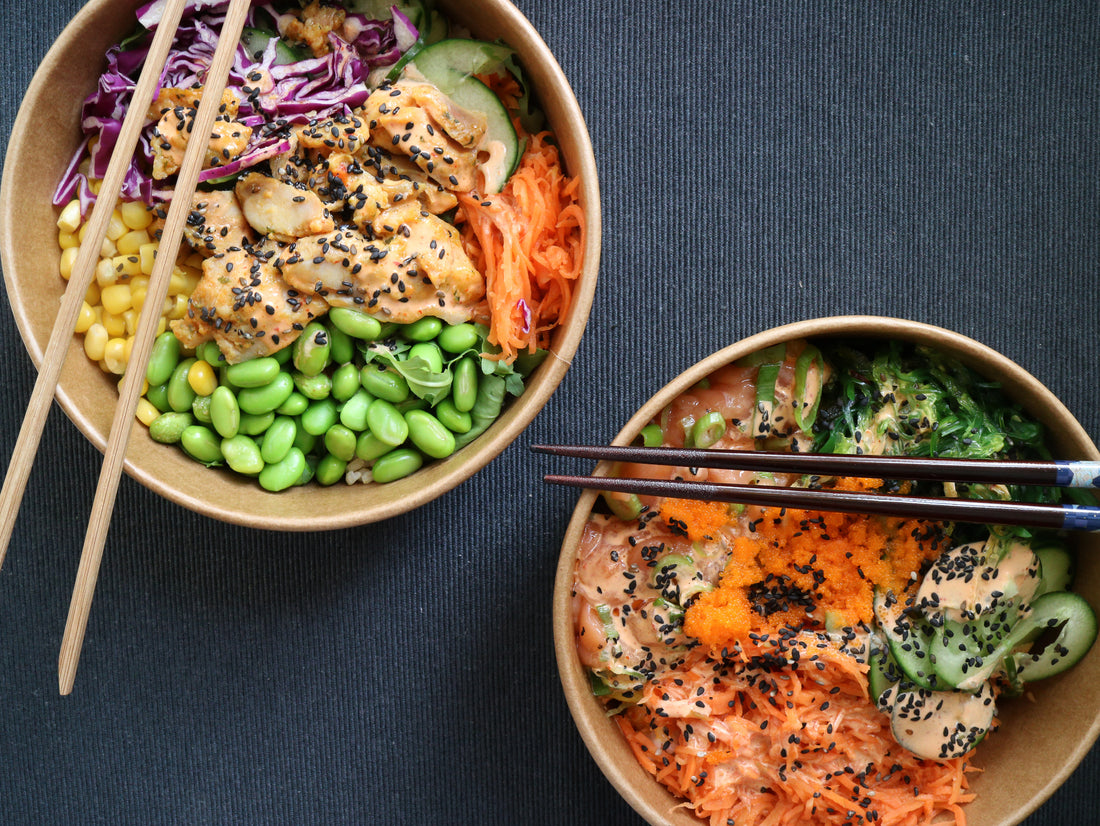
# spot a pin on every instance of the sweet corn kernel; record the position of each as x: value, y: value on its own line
x: 128, y: 350
x: 116, y: 299
x: 114, y: 355
x: 95, y: 341
x: 202, y: 378
x: 127, y: 264
x: 182, y: 281
x: 137, y: 297
x: 132, y: 241
x: 68, y: 258
x: 106, y: 250
x: 148, y: 256
x: 131, y: 318
x: 145, y: 412
x: 162, y: 325
x: 194, y: 261
x: 180, y: 308
x: 67, y: 239
x: 114, y: 324
x: 116, y: 227
x: 85, y: 318
x: 136, y: 215
x: 69, y: 219
x: 105, y: 273
x: 92, y: 296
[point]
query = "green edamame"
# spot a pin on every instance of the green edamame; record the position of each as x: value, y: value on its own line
x: 304, y: 441
x: 295, y: 404
x: 396, y: 464
x: 278, y: 439
x: 319, y: 417
x: 167, y: 428
x: 452, y: 418
x: 242, y: 454
x: 312, y: 387
x: 354, y: 412
x: 429, y: 434
x: 158, y: 396
x: 464, y: 384
x: 384, y: 384
x: 386, y: 422
x: 355, y: 324
x: 269, y: 397
x: 341, y: 347
x: 180, y: 393
x: 202, y: 445
x: 163, y: 358
x: 345, y: 382
x: 369, y: 447
x: 258, y: 372
x: 200, y: 407
x: 225, y: 413
x: 330, y: 470
x: 423, y: 329
x: 209, y: 352
x: 340, y: 442
x: 281, y: 475
x: 457, y: 338
x: 253, y: 424
x: 311, y: 349
x: 430, y: 352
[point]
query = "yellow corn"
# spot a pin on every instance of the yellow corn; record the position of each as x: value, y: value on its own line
x: 67, y: 239
x: 145, y: 412
x: 95, y: 341
x: 183, y: 281
x: 132, y: 241
x: 114, y: 324
x: 179, y: 308
x: 85, y: 319
x: 92, y: 296
x: 105, y: 273
x: 69, y: 219
x: 131, y: 318
x: 136, y: 215
x: 127, y: 264
x: 148, y: 256
x: 114, y: 355
x: 116, y: 299
x: 202, y: 378
x: 116, y: 227
x: 68, y: 258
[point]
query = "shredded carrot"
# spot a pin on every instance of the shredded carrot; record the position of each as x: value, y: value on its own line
x: 799, y: 745
x: 528, y: 241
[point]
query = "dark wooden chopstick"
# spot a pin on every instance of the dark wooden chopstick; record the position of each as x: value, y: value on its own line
x: 1058, y: 517
x: 1055, y: 473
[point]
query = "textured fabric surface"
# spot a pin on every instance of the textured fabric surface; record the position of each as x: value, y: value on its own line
x: 760, y: 163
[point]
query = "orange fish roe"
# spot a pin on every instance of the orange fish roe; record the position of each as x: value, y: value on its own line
x: 698, y: 520
x: 795, y: 561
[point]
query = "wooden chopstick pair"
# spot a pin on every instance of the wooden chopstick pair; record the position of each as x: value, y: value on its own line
x: 30, y: 432
x: 1078, y: 474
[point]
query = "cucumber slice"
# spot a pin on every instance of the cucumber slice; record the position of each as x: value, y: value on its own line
x: 909, y: 640
x: 1055, y: 569
x: 937, y: 725
x: 882, y: 673
x: 450, y: 65
x: 963, y: 652
x: 255, y: 42
x: 1076, y: 628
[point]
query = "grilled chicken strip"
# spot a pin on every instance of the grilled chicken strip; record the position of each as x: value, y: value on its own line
x: 279, y: 210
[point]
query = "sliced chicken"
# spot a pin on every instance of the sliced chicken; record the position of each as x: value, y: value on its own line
x: 216, y: 223
x: 313, y: 25
x: 279, y: 210
x: 414, y: 267
x: 243, y: 304
x: 176, y: 110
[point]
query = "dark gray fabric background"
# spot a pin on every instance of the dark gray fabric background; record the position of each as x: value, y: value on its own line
x: 760, y: 163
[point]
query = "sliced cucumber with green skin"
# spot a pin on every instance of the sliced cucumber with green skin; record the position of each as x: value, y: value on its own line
x: 1055, y: 569
x: 882, y: 673
x: 1076, y: 623
x: 450, y: 65
x: 255, y: 43
x: 938, y: 725
x: 960, y: 649
x: 909, y: 640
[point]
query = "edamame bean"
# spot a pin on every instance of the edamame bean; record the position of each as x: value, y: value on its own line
x: 225, y: 413
x: 345, y: 381
x: 163, y: 358
x: 180, y: 392
x: 464, y: 384
x: 253, y: 424
x: 284, y: 355
x: 369, y: 447
x: 257, y: 400
x: 167, y: 428
x: 242, y: 454
x: 708, y: 429
x: 311, y: 349
x: 278, y: 439
x: 384, y: 384
x: 200, y: 407
x: 158, y: 396
x: 258, y: 372
x: 430, y: 352
x: 340, y: 442
x: 652, y: 435
x: 307, y: 471
x: 330, y: 470
x: 200, y: 443
x: 423, y: 329
x: 387, y: 423
x: 412, y: 403
x: 281, y: 475
x: 456, y: 338
x: 354, y: 412
x: 355, y: 324
x: 452, y: 418
x: 209, y: 352
x: 304, y: 441
x: 396, y: 464
x: 319, y: 417
x: 312, y: 387
x: 341, y: 347
x: 295, y: 405
x: 429, y: 434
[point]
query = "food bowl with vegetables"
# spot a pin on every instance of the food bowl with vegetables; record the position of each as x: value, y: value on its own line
x: 746, y: 663
x: 387, y: 266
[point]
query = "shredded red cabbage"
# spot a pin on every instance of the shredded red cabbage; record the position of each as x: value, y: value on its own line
x: 272, y: 95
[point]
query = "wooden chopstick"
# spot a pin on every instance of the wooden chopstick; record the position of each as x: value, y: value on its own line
x: 1058, y: 517
x: 1055, y: 473
x: 61, y: 336
x: 171, y: 237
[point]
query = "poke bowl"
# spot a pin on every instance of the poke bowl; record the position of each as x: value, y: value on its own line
x: 698, y: 644
x: 465, y: 352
